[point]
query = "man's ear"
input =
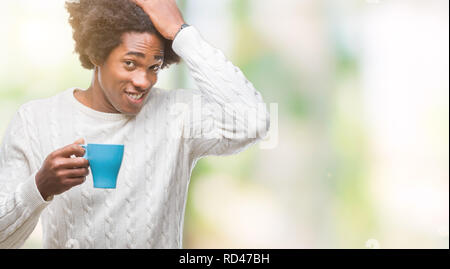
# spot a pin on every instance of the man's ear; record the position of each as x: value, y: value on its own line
x: 94, y: 61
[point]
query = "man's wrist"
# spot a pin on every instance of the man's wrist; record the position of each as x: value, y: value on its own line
x: 47, y: 197
x: 184, y: 25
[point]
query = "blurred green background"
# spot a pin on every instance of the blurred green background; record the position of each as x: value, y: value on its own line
x: 358, y: 155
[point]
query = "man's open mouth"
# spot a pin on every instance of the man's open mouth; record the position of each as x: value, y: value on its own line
x: 136, y: 97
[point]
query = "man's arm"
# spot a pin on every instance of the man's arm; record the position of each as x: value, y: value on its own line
x: 231, y: 113
x: 227, y: 114
x: 20, y: 201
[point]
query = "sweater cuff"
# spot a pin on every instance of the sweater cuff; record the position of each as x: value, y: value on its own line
x: 188, y: 39
x: 30, y: 195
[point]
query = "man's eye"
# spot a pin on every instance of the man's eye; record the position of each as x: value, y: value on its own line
x: 129, y: 64
x: 155, y: 68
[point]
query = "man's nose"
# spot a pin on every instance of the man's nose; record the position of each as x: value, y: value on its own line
x: 142, y: 81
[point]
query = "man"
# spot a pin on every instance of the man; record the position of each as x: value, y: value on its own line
x: 126, y: 43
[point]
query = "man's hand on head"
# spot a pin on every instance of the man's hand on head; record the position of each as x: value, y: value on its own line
x: 164, y: 14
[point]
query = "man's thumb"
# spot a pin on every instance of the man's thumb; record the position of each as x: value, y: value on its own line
x: 79, y: 141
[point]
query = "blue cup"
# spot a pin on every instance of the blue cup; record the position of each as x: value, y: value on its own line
x: 105, y: 161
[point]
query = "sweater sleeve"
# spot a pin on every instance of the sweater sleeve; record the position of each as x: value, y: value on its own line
x: 20, y: 201
x: 227, y: 114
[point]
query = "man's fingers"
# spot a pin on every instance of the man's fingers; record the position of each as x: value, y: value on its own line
x: 76, y: 172
x: 79, y: 141
x: 70, y: 163
x: 69, y: 150
x: 75, y: 181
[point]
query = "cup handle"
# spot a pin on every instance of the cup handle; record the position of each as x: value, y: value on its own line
x: 86, y: 153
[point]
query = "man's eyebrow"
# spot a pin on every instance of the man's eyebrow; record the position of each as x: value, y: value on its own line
x: 137, y: 54
x: 142, y: 55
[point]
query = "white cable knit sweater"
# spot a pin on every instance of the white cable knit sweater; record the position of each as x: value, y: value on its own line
x: 162, y: 145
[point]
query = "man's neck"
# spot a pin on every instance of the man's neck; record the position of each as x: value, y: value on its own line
x: 94, y: 97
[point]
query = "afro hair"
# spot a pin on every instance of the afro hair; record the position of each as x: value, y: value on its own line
x: 98, y: 26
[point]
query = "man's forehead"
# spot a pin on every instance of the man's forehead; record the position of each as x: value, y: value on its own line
x: 142, y: 44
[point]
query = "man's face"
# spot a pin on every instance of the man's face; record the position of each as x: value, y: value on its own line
x: 130, y: 71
